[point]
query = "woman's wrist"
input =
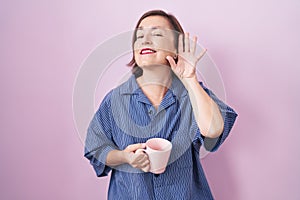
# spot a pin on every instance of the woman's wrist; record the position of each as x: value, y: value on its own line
x: 125, y: 156
x: 190, y: 82
x: 117, y: 157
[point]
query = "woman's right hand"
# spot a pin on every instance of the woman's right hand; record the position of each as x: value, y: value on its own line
x: 138, y: 159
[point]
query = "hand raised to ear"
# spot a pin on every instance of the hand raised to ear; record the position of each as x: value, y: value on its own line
x: 187, y: 58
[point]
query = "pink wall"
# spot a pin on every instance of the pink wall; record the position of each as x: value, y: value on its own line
x: 254, y: 43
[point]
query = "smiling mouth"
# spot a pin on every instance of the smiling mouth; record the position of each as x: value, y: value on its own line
x: 147, y: 51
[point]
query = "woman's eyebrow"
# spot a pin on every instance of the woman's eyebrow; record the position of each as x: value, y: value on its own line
x: 153, y: 27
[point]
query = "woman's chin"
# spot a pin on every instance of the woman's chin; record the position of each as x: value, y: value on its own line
x: 151, y: 65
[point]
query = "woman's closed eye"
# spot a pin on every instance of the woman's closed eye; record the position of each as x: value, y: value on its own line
x: 157, y: 34
x: 153, y: 34
x: 139, y: 34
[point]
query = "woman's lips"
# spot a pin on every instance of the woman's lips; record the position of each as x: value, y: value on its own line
x: 147, y: 51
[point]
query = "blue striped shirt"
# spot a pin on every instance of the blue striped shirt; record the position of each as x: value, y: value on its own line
x: 126, y: 117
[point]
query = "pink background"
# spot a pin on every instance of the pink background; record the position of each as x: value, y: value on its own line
x: 254, y: 43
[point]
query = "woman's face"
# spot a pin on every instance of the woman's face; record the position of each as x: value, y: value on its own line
x: 155, y: 41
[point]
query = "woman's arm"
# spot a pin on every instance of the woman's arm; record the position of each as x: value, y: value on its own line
x: 100, y: 149
x: 206, y: 111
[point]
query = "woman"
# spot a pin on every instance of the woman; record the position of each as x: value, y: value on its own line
x: 163, y: 98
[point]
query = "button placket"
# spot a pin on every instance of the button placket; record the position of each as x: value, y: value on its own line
x: 150, y: 111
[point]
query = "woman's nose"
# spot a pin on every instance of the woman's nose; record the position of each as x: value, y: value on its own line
x: 146, y: 39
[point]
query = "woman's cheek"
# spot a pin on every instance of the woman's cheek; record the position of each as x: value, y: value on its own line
x: 168, y: 46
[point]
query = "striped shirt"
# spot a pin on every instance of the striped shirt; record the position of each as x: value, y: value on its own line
x: 126, y: 117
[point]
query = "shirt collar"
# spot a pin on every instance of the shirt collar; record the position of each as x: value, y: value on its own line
x: 131, y: 87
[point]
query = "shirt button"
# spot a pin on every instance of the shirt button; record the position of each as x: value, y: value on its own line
x: 150, y: 112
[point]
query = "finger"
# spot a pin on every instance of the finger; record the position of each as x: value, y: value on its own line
x: 145, y: 163
x: 180, y: 44
x: 140, y: 155
x: 139, y: 151
x: 134, y: 147
x: 172, y: 62
x: 144, y: 157
x: 138, y: 159
x: 194, y: 43
x: 201, y: 54
x: 186, y: 42
x: 146, y: 168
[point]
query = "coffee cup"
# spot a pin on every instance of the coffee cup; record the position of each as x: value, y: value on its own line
x: 158, y: 151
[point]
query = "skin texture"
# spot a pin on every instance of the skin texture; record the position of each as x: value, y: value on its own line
x: 157, y: 62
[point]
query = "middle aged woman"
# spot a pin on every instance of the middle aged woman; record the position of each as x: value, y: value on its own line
x: 163, y: 98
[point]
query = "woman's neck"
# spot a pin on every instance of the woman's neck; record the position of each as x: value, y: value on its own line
x: 155, y: 82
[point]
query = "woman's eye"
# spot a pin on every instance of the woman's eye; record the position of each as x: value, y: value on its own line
x: 139, y: 36
x: 157, y: 34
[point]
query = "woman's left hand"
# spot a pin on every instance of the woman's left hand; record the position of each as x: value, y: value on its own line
x: 185, y: 68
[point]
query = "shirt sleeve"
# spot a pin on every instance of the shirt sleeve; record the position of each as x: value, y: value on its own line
x: 229, y: 117
x: 99, y: 142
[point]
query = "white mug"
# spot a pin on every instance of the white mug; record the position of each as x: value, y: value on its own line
x: 158, y: 151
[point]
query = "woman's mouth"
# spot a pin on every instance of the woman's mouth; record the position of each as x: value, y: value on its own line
x: 147, y: 51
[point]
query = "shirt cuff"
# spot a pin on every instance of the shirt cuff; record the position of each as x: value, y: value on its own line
x: 99, y: 163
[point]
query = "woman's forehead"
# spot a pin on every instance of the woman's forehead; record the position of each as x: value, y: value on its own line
x: 155, y: 22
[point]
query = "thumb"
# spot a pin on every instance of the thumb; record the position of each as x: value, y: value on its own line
x: 172, y: 62
x: 134, y: 147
